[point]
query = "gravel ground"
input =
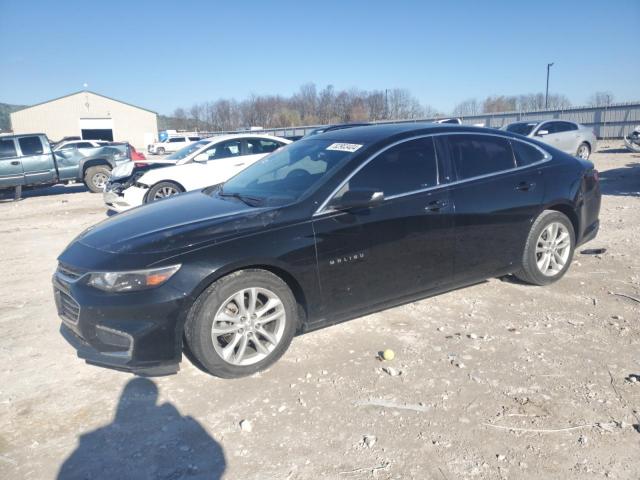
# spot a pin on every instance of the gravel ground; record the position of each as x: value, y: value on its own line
x: 499, y: 380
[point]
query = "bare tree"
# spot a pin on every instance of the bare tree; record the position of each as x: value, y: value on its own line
x: 468, y: 107
x: 601, y: 99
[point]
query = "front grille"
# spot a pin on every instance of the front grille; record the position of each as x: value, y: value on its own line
x: 69, y: 272
x: 68, y: 308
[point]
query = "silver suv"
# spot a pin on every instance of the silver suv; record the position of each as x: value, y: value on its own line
x: 570, y: 137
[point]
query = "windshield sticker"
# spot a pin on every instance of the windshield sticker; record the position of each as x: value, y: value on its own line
x: 344, y: 147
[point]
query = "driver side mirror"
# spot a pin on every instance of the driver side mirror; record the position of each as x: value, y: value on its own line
x: 542, y: 133
x: 358, y: 198
x: 201, y: 157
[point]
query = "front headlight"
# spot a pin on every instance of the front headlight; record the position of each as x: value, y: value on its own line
x: 133, y: 280
x: 122, y: 170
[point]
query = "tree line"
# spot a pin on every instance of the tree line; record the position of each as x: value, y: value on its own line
x: 310, y: 106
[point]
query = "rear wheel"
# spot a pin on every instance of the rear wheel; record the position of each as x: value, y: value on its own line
x: 95, y: 178
x: 163, y: 190
x: 549, y: 249
x: 160, y: 151
x: 241, y: 324
x: 583, y: 151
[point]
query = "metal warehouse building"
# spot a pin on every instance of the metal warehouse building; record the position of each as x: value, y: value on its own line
x: 88, y: 115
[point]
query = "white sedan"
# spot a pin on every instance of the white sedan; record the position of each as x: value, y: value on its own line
x: 217, y: 160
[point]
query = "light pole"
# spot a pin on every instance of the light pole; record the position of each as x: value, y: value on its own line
x: 546, y: 95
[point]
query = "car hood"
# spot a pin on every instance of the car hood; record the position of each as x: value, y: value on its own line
x: 177, y: 223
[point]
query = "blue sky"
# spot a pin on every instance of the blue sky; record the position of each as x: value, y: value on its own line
x: 162, y: 55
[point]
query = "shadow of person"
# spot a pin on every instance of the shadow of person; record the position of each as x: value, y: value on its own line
x: 145, y: 440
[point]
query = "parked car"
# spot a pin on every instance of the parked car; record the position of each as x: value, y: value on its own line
x: 171, y: 144
x: 455, y: 121
x: 203, y: 163
x: 570, y: 137
x: 330, y: 128
x: 323, y: 230
x: 27, y: 160
x: 71, y: 144
x: 632, y: 141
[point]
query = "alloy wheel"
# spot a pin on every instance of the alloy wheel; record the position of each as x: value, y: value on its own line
x: 100, y: 180
x: 552, y: 249
x: 583, y: 152
x: 248, y: 326
x: 165, y: 192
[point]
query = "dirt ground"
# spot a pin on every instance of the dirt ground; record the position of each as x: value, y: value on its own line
x: 500, y: 380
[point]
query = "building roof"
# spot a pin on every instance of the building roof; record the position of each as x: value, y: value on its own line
x: 85, y: 91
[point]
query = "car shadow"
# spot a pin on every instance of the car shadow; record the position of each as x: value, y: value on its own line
x: 623, y: 181
x: 613, y: 150
x: 8, y: 194
x: 146, y: 440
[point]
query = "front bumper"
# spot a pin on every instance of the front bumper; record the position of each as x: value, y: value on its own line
x: 631, y: 146
x: 127, y: 199
x: 137, y: 332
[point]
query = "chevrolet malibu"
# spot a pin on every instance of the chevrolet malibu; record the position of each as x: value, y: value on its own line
x: 326, y: 229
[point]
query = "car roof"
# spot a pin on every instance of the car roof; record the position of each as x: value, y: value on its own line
x: 232, y: 136
x: 375, y: 133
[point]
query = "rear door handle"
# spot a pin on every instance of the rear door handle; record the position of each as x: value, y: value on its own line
x: 436, y: 205
x: 526, y: 186
x: 15, y: 162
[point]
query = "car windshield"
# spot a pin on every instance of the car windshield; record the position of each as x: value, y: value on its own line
x: 188, y: 150
x: 523, y: 128
x: 289, y: 173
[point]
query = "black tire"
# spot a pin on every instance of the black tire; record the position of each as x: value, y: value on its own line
x: 583, y: 146
x: 94, y: 178
x: 160, y: 151
x: 530, y: 272
x: 152, y: 195
x: 197, y: 329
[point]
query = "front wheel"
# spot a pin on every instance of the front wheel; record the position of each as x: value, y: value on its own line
x: 583, y: 151
x: 160, y: 151
x: 163, y: 190
x: 95, y: 178
x: 549, y: 249
x: 241, y: 324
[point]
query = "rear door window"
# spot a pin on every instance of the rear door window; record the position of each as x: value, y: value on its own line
x: 407, y: 167
x: 526, y: 154
x: 7, y: 148
x: 30, y: 146
x: 565, y: 127
x: 478, y: 155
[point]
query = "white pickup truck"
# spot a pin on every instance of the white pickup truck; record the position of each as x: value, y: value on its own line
x: 171, y: 144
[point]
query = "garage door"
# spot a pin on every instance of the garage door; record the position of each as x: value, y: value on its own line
x: 96, y: 128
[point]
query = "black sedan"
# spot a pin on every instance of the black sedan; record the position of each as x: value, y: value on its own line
x: 326, y: 229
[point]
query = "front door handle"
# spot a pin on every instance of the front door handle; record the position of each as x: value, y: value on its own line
x: 239, y: 164
x: 526, y: 186
x: 15, y: 162
x: 436, y: 205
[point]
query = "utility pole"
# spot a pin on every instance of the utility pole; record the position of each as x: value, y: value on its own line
x: 546, y: 96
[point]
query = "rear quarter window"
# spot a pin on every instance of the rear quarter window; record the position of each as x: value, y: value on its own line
x: 526, y: 154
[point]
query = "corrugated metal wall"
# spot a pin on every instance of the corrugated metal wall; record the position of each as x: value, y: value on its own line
x: 613, y: 121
